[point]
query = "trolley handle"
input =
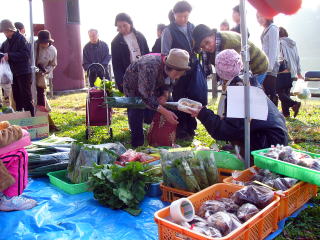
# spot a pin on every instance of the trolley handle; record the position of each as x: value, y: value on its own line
x: 104, y: 74
x: 97, y: 64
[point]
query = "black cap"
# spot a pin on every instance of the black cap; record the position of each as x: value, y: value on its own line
x: 199, y: 33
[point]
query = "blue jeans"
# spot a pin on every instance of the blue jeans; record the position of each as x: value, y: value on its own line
x: 136, y: 119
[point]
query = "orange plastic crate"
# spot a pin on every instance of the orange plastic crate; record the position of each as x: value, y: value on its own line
x: 291, y: 200
x: 258, y: 227
x: 170, y: 194
x: 224, y: 173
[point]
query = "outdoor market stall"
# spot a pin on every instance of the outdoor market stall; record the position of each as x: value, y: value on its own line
x: 252, y: 203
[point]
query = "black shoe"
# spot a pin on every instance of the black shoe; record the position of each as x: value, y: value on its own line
x: 296, y: 109
x: 286, y: 115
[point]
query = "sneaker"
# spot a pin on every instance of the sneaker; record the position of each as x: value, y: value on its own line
x: 296, y: 108
x: 16, y: 203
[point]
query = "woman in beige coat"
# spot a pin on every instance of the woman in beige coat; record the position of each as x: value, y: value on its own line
x: 46, y: 61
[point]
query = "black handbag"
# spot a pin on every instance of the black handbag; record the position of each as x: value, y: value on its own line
x: 283, y: 63
x: 198, y: 87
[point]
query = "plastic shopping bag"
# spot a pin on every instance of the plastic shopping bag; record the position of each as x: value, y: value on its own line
x: 301, y: 89
x: 6, y: 76
x: 299, y: 86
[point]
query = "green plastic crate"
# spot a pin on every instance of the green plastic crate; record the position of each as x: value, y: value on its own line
x: 287, y: 169
x: 60, y: 180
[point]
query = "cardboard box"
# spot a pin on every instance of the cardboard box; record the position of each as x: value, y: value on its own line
x: 38, y: 126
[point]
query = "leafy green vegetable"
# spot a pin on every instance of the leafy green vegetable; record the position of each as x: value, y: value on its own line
x: 120, y: 187
x: 109, y: 86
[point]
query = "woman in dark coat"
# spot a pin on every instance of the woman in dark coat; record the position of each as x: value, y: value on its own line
x: 126, y: 47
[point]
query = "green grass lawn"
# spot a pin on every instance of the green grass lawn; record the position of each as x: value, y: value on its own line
x: 69, y: 115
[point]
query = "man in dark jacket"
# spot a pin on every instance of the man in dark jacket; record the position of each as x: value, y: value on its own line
x: 96, y: 51
x: 17, y: 53
x: 126, y: 47
x: 157, y: 45
x: 179, y: 35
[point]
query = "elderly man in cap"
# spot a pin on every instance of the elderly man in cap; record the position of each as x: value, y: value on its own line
x: 151, y: 77
x: 17, y: 53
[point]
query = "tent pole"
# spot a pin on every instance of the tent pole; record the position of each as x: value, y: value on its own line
x: 33, y: 67
x: 245, y: 58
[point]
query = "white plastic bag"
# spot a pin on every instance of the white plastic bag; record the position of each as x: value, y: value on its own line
x: 6, y: 76
x: 299, y: 86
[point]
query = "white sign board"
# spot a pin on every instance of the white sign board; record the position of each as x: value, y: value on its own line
x: 258, y: 103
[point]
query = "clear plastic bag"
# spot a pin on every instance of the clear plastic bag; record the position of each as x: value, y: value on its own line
x: 247, y: 211
x: 208, y: 231
x: 259, y: 196
x: 171, y: 164
x: 6, y: 76
x: 211, y: 207
x: 230, y: 205
x: 299, y: 86
x: 283, y: 183
x: 224, y: 222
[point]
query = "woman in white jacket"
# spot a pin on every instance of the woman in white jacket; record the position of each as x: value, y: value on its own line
x: 289, y: 71
x: 270, y: 45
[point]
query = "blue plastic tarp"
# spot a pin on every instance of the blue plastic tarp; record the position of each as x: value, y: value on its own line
x: 63, y: 216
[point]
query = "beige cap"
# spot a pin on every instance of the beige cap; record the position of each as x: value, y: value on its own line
x: 178, y: 59
x: 7, y: 25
